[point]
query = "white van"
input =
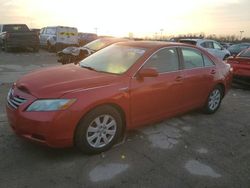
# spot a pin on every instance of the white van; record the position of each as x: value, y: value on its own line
x: 58, y: 37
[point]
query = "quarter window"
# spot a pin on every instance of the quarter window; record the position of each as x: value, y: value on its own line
x: 207, y: 45
x: 165, y: 60
x: 192, y: 58
x: 208, y: 62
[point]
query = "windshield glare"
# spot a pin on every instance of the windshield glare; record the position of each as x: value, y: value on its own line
x: 97, y: 44
x: 115, y: 59
x: 245, y: 53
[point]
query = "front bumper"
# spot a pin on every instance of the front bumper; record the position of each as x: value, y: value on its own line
x: 54, y: 129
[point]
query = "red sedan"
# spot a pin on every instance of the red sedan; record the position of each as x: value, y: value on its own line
x: 241, y: 64
x: 123, y: 86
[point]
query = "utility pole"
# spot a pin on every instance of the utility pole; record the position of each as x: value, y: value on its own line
x: 241, y: 32
x: 161, y: 33
x: 96, y: 29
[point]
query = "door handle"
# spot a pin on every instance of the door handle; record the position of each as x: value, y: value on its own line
x: 213, y: 71
x: 178, y: 78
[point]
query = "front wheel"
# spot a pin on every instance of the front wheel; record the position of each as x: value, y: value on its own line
x: 6, y: 48
x: 214, y: 100
x: 36, y: 49
x: 98, y: 130
x: 50, y: 48
x: 226, y: 56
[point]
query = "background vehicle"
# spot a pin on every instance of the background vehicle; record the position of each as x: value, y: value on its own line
x: 226, y: 44
x: 58, y: 37
x: 18, y: 36
x: 85, y: 38
x: 120, y: 87
x: 237, y: 48
x: 211, y: 46
x: 76, y: 54
x: 241, y: 67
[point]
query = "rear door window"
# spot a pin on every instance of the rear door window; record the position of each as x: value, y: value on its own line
x: 191, y: 58
x: 207, y: 45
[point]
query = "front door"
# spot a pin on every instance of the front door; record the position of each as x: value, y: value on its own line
x: 153, y: 98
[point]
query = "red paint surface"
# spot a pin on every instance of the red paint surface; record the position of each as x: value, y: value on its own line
x: 143, y: 101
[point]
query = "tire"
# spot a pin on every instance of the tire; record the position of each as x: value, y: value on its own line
x: 1, y: 46
x: 49, y: 47
x: 214, y: 100
x: 36, y: 49
x: 57, y: 47
x: 99, y: 130
x: 226, y: 56
x: 6, y: 48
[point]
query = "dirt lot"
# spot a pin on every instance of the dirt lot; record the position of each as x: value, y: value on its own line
x: 193, y: 150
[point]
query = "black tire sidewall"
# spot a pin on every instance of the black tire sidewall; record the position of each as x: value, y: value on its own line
x: 81, y: 130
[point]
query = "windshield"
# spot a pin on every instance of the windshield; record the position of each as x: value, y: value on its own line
x: 16, y: 28
x: 245, y: 53
x: 98, y: 44
x: 115, y: 59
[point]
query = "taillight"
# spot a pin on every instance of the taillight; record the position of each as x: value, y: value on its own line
x: 229, y: 67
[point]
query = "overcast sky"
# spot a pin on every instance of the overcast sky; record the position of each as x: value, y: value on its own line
x: 141, y: 17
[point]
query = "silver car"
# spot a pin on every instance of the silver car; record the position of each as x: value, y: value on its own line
x: 213, y: 47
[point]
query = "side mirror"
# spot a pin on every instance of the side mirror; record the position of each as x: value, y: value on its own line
x: 147, y: 72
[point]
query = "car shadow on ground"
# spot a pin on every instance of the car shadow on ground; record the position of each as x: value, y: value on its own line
x: 19, y: 50
x: 240, y: 86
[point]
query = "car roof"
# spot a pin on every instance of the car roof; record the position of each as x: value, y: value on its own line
x: 243, y: 43
x: 152, y: 44
x: 196, y: 40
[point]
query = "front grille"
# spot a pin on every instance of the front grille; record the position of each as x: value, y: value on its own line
x: 15, y: 101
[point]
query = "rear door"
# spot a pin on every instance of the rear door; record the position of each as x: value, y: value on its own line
x: 198, y: 73
x: 155, y: 98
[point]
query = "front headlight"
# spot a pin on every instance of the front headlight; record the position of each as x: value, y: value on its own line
x: 50, y: 105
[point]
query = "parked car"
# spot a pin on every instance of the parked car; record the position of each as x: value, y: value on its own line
x: 36, y: 30
x: 237, y: 48
x: 211, y: 46
x: 226, y: 44
x: 76, y: 54
x: 58, y: 37
x: 241, y: 65
x: 85, y: 38
x: 18, y: 36
x: 120, y: 87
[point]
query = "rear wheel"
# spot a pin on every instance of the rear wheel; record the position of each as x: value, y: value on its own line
x: 226, y: 56
x: 98, y: 130
x: 214, y: 100
x: 49, y: 47
x: 57, y: 47
x: 36, y: 49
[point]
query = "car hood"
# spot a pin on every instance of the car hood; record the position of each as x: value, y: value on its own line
x: 75, y: 51
x: 56, y: 81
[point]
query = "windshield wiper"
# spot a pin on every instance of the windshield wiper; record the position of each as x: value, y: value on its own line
x: 88, y: 67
